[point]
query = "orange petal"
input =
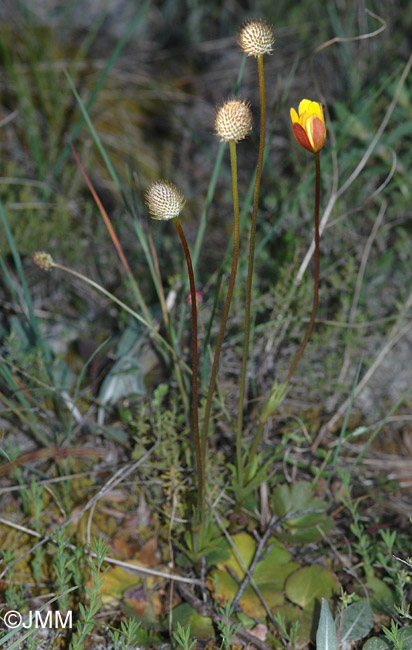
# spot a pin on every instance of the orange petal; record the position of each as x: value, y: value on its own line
x: 318, y: 110
x: 318, y: 132
x: 301, y: 137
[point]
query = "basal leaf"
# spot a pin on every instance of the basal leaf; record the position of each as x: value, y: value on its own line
x: 308, y: 585
x: 326, y: 632
x: 355, y: 622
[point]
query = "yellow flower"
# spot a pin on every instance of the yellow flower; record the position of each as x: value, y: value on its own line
x: 233, y: 120
x: 309, y: 126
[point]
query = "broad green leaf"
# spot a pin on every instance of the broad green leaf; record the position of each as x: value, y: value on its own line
x: 201, y: 627
x: 246, y: 547
x: 225, y: 588
x: 405, y: 635
x: 382, y: 643
x: 326, y: 632
x: 355, y: 622
x: 309, y: 584
x: 270, y: 575
x: 377, y: 643
x: 287, y: 499
x: 382, y: 594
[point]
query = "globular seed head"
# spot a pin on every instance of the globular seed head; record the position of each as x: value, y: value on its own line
x: 233, y: 120
x: 43, y: 260
x: 164, y: 200
x: 256, y: 38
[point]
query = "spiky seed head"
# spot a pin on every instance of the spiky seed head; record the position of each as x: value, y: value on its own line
x: 164, y: 200
x: 256, y: 38
x: 233, y: 120
x: 43, y: 260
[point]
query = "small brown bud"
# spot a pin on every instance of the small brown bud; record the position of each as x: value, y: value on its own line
x: 43, y: 260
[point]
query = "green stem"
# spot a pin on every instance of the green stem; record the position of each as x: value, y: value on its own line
x: 254, y: 448
x: 167, y: 322
x: 246, y: 340
x: 316, y: 276
x: 200, y: 463
x: 215, y: 365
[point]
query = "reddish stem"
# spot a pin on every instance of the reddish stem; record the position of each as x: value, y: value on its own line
x: 195, y: 410
x: 101, y: 208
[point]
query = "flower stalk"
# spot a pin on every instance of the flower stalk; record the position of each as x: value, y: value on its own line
x: 308, y: 126
x: 256, y: 39
x: 200, y: 461
x: 226, y: 309
x: 249, y: 281
x: 165, y: 202
x: 46, y: 263
x: 233, y: 123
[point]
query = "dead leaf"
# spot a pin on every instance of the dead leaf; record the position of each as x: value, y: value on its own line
x: 149, y: 554
x: 260, y: 631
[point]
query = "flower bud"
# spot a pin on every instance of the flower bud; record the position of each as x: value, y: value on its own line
x: 256, y: 38
x: 43, y: 260
x: 309, y: 126
x: 199, y: 297
x: 233, y: 120
x: 164, y: 200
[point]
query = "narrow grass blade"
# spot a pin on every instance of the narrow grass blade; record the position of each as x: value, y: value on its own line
x: 78, y: 384
x: 25, y: 412
x: 95, y: 136
x: 112, y: 60
x: 26, y: 294
x: 27, y: 111
x: 137, y: 225
x: 46, y: 352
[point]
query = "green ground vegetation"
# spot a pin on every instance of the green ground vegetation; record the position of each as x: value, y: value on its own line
x: 98, y: 477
